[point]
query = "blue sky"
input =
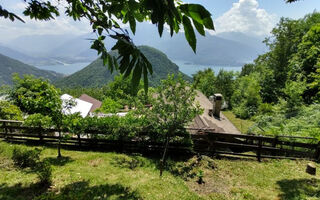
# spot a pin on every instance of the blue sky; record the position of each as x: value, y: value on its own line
x: 252, y: 17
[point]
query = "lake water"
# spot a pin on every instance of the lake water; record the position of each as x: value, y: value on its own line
x: 65, y: 68
x: 190, y: 68
x: 187, y: 68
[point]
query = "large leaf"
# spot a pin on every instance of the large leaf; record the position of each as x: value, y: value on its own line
x: 189, y: 32
x: 199, y: 14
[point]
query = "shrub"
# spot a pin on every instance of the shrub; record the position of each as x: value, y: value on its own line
x: 25, y: 158
x: 9, y: 111
x: 38, y: 120
x: 44, y: 172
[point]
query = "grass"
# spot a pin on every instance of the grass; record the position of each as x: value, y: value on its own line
x: 241, y: 124
x: 98, y: 175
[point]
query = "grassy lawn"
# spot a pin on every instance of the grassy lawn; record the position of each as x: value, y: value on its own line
x: 97, y: 175
x: 240, y: 124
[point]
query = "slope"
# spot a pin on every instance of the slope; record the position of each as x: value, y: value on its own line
x: 95, y: 74
x: 8, y: 66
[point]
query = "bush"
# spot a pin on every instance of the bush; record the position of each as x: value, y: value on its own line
x: 9, y: 111
x: 25, y: 158
x: 39, y: 121
x: 44, y: 172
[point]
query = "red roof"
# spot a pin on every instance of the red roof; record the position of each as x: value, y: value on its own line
x: 95, y: 103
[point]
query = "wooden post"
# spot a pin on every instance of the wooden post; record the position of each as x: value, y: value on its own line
x: 40, y: 135
x: 79, y: 139
x: 274, y: 145
x: 317, y: 153
x: 5, y: 130
x: 259, y: 149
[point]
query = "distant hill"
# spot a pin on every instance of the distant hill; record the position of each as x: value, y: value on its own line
x: 8, y: 66
x: 96, y: 74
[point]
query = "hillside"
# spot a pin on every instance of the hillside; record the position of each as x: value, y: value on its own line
x: 96, y: 74
x: 8, y: 66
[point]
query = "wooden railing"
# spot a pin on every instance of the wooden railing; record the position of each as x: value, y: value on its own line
x: 206, y: 142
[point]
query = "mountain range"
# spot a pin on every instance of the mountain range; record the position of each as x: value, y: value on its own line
x: 231, y: 48
x: 8, y: 66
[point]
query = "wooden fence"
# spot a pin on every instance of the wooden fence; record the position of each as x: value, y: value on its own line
x: 205, y: 142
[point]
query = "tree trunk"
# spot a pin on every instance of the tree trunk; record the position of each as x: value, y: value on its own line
x: 162, y: 161
x: 59, y: 144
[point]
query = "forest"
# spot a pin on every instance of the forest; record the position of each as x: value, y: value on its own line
x: 280, y: 91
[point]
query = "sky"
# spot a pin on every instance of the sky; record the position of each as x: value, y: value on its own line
x: 252, y: 17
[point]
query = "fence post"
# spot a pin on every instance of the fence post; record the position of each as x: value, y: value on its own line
x: 5, y: 130
x: 79, y: 139
x: 40, y: 135
x: 317, y: 153
x: 259, y: 149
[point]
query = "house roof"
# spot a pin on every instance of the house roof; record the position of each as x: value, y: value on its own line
x: 80, y: 106
x: 205, y: 121
x: 95, y: 103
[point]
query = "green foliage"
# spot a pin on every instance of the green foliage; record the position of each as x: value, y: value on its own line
x: 294, y: 91
x: 38, y: 120
x: 247, y: 69
x: 174, y: 106
x: 303, y: 122
x: 103, y: 16
x: 74, y: 123
x: 110, y: 106
x: 35, y: 96
x: 307, y: 60
x: 246, y: 98
x: 10, y: 111
x: 25, y: 158
x: 44, y: 172
x: 210, y: 84
x: 205, y: 81
x: 225, y: 84
x: 120, y: 90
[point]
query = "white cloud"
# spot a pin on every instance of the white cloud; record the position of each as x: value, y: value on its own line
x: 246, y: 17
x: 60, y: 25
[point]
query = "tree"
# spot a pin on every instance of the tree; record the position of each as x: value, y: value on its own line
x: 224, y: 84
x: 104, y: 16
x: 34, y: 95
x: 306, y: 61
x: 205, y: 81
x: 246, y: 98
x: 172, y: 109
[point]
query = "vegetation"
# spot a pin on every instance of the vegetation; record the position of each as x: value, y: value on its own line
x: 89, y: 175
x: 243, y: 125
x: 210, y: 84
x: 281, y: 87
x: 9, y: 111
x: 172, y: 109
x: 97, y: 75
x: 9, y: 66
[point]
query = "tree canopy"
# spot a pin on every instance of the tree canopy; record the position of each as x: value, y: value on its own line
x: 105, y: 17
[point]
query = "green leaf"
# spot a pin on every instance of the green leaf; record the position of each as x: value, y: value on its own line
x: 189, y: 32
x: 198, y: 13
x: 136, y: 75
x: 132, y: 23
x: 199, y: 27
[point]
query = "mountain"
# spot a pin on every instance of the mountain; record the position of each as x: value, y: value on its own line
x: 96, y: 74
x: 223, y: 49
x: 8, y: 66
x: 38, y: 45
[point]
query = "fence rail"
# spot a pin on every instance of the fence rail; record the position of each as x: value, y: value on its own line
x: 206, y: 142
